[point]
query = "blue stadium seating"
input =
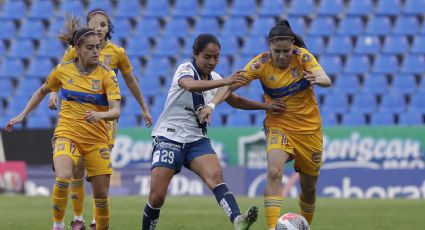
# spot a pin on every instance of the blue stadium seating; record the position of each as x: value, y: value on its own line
x: 298, y: 25
x: 404, y: 84
x: 388, y: 7
x: 352, y: 25
x: 330, y: 8
x: 340, y: 45
x: 207, y: 25
x: 417, y: 103
x: 413, y: 63
x: 354, y: 118
x: 41, y: 9
x: 236, y: 26
x: 271, y: 8
x: 6, y: 88
x: 240, y: 62
x: 335, y: 102
x: 74, y: 7
x: 38, y: 122
x: 157, y: 66
x: 349, y: 83
x: 229, y: 45
x: 56, y: 27
x: 395, y: 44
x: 367, y: 45
x: 105, y: 5
x: 324, y: 26
x: 254, y: 45
x: 315, y: 44
x: 223, y: 67
x: 178, y: 27
x: 302, y: 8
x: 127, y: 121
x: 329, y: 119
x: 138, y: 46
x: 375, y: 83
x: 410, y: 119
x: 132, y: 8
x: 385, y: 64
x: 214, y: 8
x: 14, y: 9
x: 186, y: 8
x: 157, y: 8
x: 21, y: 48
x: 262, y: 25
x: 379, y: 25
x: 357, y: 64
x: 364, y: 102
x: 418, y: 46
x: 39, y: 68
x: 243, y: 8
x: 11, y: 68
x: 33, y: 29
x: 50, y: 47
x: 332, y: 64
x: 149, y: 27
x: 393, y: 103
x: 239, y: 119
x: 382, y: 118
x: 360, y: 7
x: 8, y: 28
x: 406, y: 25
x: 414, y: 7
x: 166, y: 46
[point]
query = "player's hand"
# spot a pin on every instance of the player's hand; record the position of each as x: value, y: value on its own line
x: 93, y: 116
x: 147, y: 117
x: 13, y: 121
x: 276, y: 106
x: 205, y: 115
x: 310, y: 77
x: 236, y: 78
x: 53, y: 101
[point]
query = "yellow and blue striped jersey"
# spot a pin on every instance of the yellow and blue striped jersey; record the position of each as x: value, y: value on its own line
x: 111, y: 55
x: 302, y: 113
x: 80, y: 94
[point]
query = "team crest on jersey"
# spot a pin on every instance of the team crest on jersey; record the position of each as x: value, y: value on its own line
x: 95, y: 84
x: 295, y: 72
x: 107, y: 60
x: 296, y: 51
x: 255, y: 65
x: 104, y: 153
x: 306, y: 58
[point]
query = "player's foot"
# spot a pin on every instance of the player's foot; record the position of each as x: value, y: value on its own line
x: 93, y: 226
x: 78, y: 225
x: 58, y: 228
x: 243, y: 222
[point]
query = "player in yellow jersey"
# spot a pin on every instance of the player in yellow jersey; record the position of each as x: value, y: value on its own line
x: 288, y: 72
x: 90, y: 98
x: 115, y: 58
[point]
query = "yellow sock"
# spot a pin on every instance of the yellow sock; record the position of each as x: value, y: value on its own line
x: 307, y: 210
x: 60, y: 198
x: 77, y: 196
x: 272, y: 208
x: 102, y: 213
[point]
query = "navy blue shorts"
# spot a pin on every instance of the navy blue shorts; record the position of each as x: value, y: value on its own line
x: 173, y: 155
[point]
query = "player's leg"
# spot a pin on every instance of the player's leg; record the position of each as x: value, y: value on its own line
x: 307, y: 199
x: 202, y: 160
x: 77, y: 196
x: 100, y: 185
x: 64, y: 159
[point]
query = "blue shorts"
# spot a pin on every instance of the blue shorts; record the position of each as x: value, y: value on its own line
x: 173, y: 155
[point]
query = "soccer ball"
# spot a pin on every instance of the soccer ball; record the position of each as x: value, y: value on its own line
x: 292, y: 221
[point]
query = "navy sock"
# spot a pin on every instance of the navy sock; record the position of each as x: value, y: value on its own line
x: 227, y: 201
x: 150, y: 217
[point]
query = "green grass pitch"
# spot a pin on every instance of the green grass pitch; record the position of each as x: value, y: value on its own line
x: 203, y: 213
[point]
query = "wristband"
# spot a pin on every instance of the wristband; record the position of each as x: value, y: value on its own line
x: 211, y: 105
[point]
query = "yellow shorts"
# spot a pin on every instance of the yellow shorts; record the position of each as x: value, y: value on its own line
x: 96, y: 157
x: 112, y: 132
x: 305, y: 148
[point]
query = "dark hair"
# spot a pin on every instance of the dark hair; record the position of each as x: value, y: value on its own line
x: 203, y: 40
x: 282, y: 31
x: 74, y: 31
x: 108, y: 35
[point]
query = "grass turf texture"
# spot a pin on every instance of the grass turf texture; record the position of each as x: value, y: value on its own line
x: 179, y: 213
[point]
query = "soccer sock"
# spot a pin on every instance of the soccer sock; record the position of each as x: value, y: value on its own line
x: 60, y: 198
x: 94, y: 211
x: 307, y: 210
x: 227, y: 201
x: 102, y: 213
x: 77, y: 197
x: 272, y: 208
x: 150, y: 217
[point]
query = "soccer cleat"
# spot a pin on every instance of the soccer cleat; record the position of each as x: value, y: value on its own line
x: 93, y: 226
x: 78, y: 225
x: 244, y: 222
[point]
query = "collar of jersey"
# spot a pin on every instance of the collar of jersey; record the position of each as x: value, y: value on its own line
x: 198, y: 71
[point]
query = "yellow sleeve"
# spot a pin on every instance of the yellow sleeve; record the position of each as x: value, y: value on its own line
x: 111, y: 86
x: 70, y: 54
x: 53, y: 82
x: 254, y: 67
x: 124, y: 63
x: 309, y: 62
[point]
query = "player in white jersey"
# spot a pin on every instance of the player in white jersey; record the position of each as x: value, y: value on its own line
x: 179, y: 138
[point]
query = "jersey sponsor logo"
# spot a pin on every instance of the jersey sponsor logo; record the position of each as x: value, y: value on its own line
x: 316, y: 157
x: 104, y: 153
x: 295, y: 72
x: 95, y: 85
x: 306, y: 58
x: 107, y: 59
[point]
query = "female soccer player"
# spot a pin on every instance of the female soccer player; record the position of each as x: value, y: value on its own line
x: 90, y: 98
x: 288, y: 71
x: 180, y: 139
x: 115, y: 58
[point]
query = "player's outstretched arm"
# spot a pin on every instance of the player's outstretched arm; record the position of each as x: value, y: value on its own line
x: 112, y: 114
x: 192, y: 85
x: 53, y: 101
x: 36, y: 98
x: 276, y: 105
x: 319, y: 78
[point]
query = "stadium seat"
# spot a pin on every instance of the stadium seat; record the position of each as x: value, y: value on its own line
x: 406, y: 25
x: 127, y: 121
x: 11, y: 67
x: 178, y: 27
x: 138, y: 46
x: 347, y: 82
x: 375, y: 83
x: 186, y: 8
x: 39, y: 68
x: 298, y: 25
x: 33, y: 29
x: 340, y: 45
x: 21, y: 48
x: 382, y: 118
x: 105, y: 5
x: 385, y: 64
x: 50, y: 47
x: 411, y: 119
x: 329, y: 119
x: 6, y: 89
x: 2, y: 48
x: 413, y: 63
x: 167, y: 46
x: 14, y: 9
x: 335, y: 102
x: 187, y: 50
x: 359, y: 7
x: 240, y: 62
x: 414, y: 7
x: 137, y: 68
x: 223, y: 67
x: 238, y: 119
x: 157, y: 66
x: 388, y: 7
x: 41, y: 9
x: 418, y: 46
x: 74, y: 7
x: 27, y: 87
x: 271, y: 8
x: 392, y: 102
x: 367, y: 45
x: 331, y: 64
x: 315, y: 44
x: 417, y: 102
x: 354, y: 118
x: 324, y: 26
x: 8, y: 30
x: 229, y: 45
x: 122, y: 28
x: 357, y: 64
x: 38, y: 122
x: 404, y: 83
x: 214, y: 8
x: 395, y: 44
x: 330, y: 8
x: 262, y: 26
x: 243, y: 8
x: 206, y: 25
x: 157, y: 8
x: 364, y: 102
x: 56, y: 26
x: 131, y: 8
x: 254, y: 45
x: 379, y: 25
x: 236, y: 26
x: 302, y: 8
x: 350, y: 26
x: 150, y: 27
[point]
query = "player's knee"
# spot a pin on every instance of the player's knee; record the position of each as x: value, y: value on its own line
x: 309, y: 191
x: 101, y: 193
x: 78, y: 173
x: 156, y: 200
x: 214, y: 178
x: 274, y: 175
x: 64, y: 174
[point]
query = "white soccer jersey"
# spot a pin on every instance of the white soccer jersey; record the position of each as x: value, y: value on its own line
x: 179, y: 121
